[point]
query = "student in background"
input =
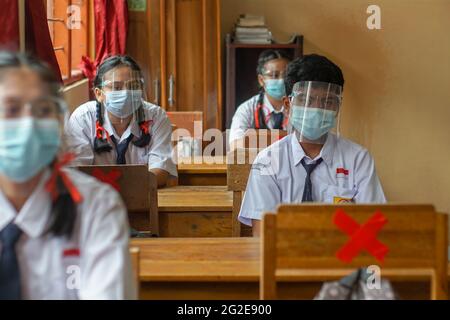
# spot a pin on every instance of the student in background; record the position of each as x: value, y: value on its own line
x: 120, y: 127
x: 63, y: 235
x: 312, y: 164
x: 265, y: 110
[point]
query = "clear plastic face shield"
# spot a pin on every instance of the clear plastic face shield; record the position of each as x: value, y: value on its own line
x: 314, y: 110
x: 123, y: 92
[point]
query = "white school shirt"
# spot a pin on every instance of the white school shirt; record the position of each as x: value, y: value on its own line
x: 80, y: 136
x: 93, y: 265
x: 347, y: 173
x: 244, y: 118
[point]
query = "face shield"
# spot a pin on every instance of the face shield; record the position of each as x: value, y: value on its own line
x: 124, y: 92
x: 30, y: 135
x: 314, y: 110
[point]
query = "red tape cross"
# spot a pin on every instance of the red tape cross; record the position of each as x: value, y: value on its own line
x: 361, y: 237
x: 110, y: 178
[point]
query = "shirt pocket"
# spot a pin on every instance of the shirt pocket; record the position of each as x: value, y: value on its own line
x: 339, y: 195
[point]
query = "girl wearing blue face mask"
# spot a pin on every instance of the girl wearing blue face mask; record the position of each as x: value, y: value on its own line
x: 52, y: 219
x: 265, y: 110
x: 120, y: 127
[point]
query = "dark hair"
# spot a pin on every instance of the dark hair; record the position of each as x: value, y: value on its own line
x: 63, y: 212
x: 269, y: 55
x: 264, y: 57
x: 100, y: 143
x: 312, y: 67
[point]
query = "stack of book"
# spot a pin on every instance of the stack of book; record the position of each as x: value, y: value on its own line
x: 252, y: 30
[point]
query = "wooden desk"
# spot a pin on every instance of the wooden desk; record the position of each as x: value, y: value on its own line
x: 209, y: 171
x: 228, y: 268
x: 195, y: 211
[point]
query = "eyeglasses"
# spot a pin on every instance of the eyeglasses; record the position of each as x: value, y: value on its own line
x: 135, y: 84
x: 273, y: 74
x: 43, y: 108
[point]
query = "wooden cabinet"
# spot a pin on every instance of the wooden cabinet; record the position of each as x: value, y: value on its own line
x: 177, y: 42
x: 241, y: 77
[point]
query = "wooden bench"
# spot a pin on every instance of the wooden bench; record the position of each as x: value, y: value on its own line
x: 135, y: 265
x: 229, y: 269
x: 195, y: 211
x: 138, y: 189
x: 301, y: 240
x: 202, y: 171
x: 239, y: 164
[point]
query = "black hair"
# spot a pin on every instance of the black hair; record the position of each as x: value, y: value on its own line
x: 269, y: 55
x: 265, y: 57
x: 312, y: 67
x: 63, y: 211
x: 100, y: 143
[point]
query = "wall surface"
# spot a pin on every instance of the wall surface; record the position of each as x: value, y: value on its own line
x: 397, y: 92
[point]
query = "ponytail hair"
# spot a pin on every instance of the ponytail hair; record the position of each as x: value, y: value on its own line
x: 101, y: 143
x: 145, y: 138
x: 63, y: 212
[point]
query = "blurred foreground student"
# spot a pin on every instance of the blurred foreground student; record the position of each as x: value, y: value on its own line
x: 312, y: 164
x: 120, y: 127
x: 63, y: 235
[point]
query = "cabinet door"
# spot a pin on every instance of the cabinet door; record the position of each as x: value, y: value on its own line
x: 177, y: 43
x: 190, y: 58
x: 144, y: 45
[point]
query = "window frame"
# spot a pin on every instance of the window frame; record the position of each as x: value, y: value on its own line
x: 69, y: 44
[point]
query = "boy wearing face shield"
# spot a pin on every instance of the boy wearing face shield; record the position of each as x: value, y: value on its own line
x: 313, y: 163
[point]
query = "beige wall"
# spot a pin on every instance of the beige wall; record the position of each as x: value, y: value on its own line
x: 397, y: 93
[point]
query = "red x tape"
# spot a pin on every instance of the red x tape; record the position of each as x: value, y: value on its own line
x: 109, y: 178
x: 361, y: 237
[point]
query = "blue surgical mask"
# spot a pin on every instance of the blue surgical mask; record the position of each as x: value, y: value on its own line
x: 275, y: 88
x: 27, y: 146
x: 123, y: 103
x: 312, y: 123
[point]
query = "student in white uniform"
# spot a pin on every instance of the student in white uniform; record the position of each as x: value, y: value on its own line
x: 120, y: 127
x: 265, y: 110
x: 312, y: 164
x: 63, y: 234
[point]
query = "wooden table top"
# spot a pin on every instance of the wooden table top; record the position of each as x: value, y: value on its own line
x: 198, y: 259
x: 195, y: 198
x: 205, y: 165
x: 225, y: 260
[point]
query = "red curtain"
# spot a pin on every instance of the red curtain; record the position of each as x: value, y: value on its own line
x: 38, y: 40
x: 111, y: 28
x: 9, y: 36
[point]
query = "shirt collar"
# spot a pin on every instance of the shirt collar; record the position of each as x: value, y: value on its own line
x: 326, y: 153
x: 34, y: 215
x: 269, y: 107
x: 133, y: 128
